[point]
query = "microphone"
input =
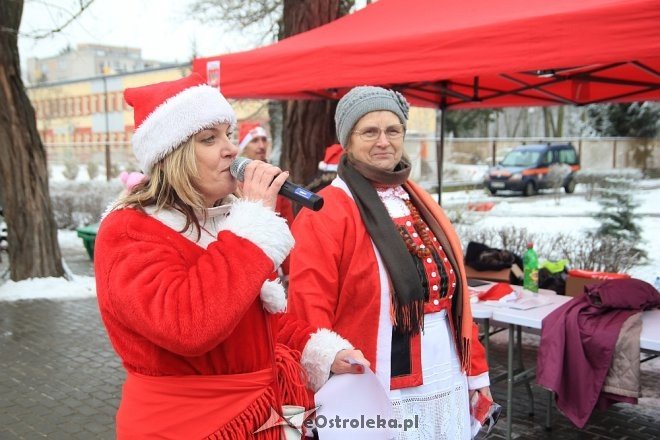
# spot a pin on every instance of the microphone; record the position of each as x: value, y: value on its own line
x: 289, y: 190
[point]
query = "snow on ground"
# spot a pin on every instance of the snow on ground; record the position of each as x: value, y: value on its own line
x: 48, y: 288
x: 573, y: 213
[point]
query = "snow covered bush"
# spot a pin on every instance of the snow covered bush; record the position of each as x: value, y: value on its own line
x: 584, y: 251
x: 70, y: 170
x: 92, y: 170
x: 595, y: 179
x: 78, y: 204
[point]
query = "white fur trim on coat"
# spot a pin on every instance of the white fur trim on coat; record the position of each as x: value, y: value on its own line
x: 273, y: 296
x: 262, y: 226
x: 176, y: 119
x: 319, y: 354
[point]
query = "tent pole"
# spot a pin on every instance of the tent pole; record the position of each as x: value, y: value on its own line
x: 440, y: 141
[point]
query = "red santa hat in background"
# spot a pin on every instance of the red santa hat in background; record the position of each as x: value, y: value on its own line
x: 331, y: 159
x: 166, y: 114
x: 248, y: 131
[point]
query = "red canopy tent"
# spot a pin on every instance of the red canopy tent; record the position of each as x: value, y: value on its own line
x: 468, y: 54
x: 481, y: 53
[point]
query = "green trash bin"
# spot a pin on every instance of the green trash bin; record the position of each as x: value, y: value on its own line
x: 88, y: 235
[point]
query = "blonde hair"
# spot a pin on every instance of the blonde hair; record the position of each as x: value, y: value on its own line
x: 170, y: 185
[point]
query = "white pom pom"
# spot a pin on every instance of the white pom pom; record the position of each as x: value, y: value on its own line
x: 273, y: 296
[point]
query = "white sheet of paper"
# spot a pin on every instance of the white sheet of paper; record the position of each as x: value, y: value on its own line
x: 355, y: 398
x: 525, y: 302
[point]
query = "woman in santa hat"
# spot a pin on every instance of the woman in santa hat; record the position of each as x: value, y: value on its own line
x: 381, y: 265
x: 182, y: 271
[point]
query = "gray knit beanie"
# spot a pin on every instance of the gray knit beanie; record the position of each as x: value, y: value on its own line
x: 365, y: 99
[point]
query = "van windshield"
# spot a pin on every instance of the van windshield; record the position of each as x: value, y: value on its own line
x: 521, y: 158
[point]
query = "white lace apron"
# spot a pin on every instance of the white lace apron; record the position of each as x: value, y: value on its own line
x: 441, y: 403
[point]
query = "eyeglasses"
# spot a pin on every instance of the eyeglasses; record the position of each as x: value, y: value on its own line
x: 392, y: 132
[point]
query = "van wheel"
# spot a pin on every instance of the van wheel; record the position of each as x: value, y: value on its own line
x: 570, y: 186
x: 492, y: 191
x: 530, y: 189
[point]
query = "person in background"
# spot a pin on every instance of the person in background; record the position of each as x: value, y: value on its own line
x: 381, y: 265
x: 254, y: 144
x: 253, y: 141
x: 182, y: 273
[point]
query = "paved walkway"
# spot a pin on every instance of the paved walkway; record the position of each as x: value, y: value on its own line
x: 60, y: 379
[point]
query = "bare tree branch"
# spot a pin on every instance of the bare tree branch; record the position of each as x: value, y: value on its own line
x: 73, y: 16
x: 262, y: 17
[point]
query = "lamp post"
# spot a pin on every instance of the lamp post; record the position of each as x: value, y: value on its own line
x: 108, y: 172
x: 440, y: 121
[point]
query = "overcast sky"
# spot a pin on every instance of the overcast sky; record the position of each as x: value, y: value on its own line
x: 161, y: 28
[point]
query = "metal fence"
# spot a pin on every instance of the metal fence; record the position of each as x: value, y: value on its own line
x: 465, y: 159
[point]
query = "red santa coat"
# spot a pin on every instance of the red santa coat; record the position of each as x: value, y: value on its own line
x: 337, y: 281
x: 173, y: 308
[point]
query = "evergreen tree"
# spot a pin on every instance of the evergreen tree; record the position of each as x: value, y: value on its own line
x: 617, y: 214
x: 636, y: 119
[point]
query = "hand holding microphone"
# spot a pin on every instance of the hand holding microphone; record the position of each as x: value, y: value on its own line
x: 264, y: 179
x: 260, y: 182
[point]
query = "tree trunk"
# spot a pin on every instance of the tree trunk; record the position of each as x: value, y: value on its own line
x: 560, y: 122
x: 308, y: 125
x: 32, y: 232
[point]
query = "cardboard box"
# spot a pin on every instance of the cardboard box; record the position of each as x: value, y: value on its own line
x: 575, y: 285
x: 499, y: 276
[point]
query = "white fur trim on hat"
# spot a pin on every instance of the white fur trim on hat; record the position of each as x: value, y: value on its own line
x: 319, y: 354
x: 176, y: 119
x: 328, y: 167
x: 273, y: 296
x: 262, y: 226
x: 256, y: 132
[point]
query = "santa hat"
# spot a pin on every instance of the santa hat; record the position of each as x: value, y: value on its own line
x: 168, y: 113
x: 249, y: 131
x: 331, y: 158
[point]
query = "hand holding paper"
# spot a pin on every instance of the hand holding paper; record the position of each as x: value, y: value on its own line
x: 349, y: 361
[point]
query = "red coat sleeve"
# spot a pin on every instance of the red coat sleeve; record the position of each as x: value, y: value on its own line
x: 185, y: 303
x: 478, y: 362
x: 292, y: 332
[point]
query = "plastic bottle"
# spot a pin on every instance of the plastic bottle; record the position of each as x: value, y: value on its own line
x: 531, y: 269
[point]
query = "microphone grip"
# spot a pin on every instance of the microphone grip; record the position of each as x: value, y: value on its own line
x: 301, y: 195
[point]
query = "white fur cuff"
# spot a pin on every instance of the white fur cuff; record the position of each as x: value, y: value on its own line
x: 262, y: 226
x: 477, y: 382
x: 319, y: 354
x: 273, y: 296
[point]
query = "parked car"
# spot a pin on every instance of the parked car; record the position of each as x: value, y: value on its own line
x: 526, y: 168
